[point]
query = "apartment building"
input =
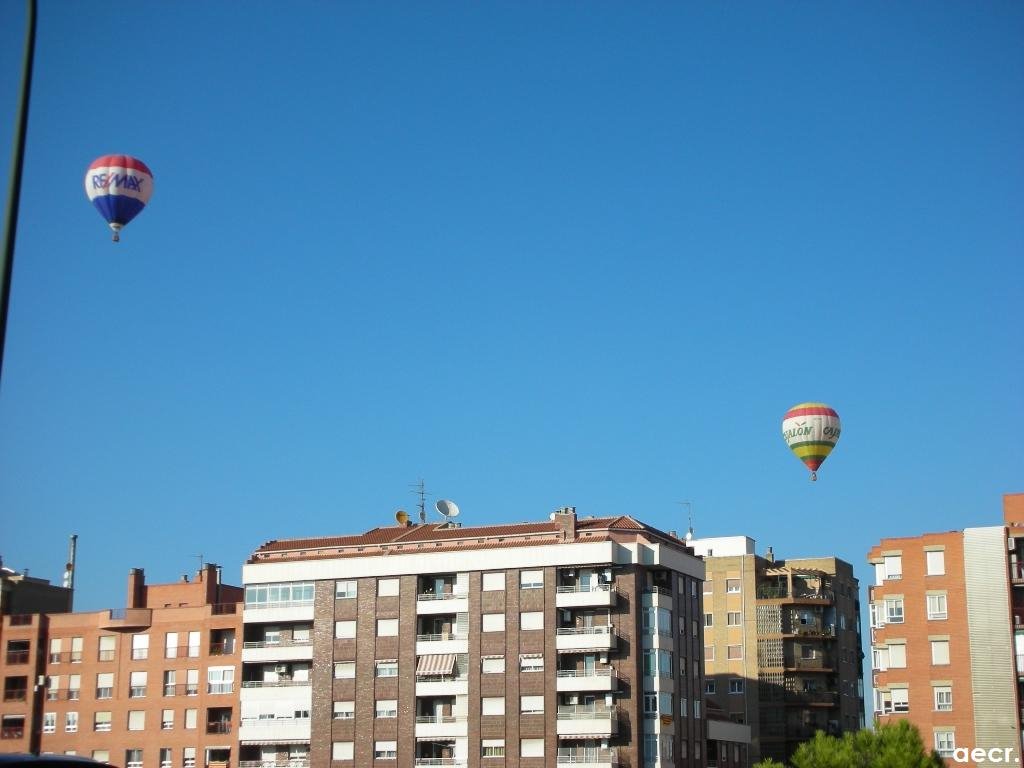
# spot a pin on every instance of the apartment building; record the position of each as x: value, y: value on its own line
x: 572, y: 640
x: 781, y: 644
x: 151, y: 685
x: 947, y: 637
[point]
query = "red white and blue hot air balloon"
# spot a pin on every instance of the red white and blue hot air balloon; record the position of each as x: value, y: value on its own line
x: 119, y: 186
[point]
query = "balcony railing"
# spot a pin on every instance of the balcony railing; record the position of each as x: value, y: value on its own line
x: 268, y: 722
x: 585, y: 712
x: 576, y: 589
x: 12, y: 732
x: 440, y: 719
x: 220, y: 726
x: 21, y: 620
x: 15, y: 694
x: 441, y: 595
x: 222, y: 648
x: 17, y: 657
x: 282, y: 643
x: 295, y: 762
x: 425, y: 761
x: 656, y: 590
x: 441, y: 636
x: 584, y: 673
x: 277, y: 604
x: 589, y: 756
x: 221, y: 609
x: 441, y: 678
x: 274, y: 683
x: 602, y: 630
x: 105, y: 656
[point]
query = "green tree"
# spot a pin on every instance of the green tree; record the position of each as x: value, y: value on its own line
x: 893, y: 745
x: 768, y: 763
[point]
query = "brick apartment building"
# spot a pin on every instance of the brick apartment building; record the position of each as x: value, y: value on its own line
x: 573, y: 640
x: 782, y: 649
x: 148, y: 686
x: 947, y: 636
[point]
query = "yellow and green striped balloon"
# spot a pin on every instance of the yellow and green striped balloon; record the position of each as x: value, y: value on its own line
x: 811, y: 431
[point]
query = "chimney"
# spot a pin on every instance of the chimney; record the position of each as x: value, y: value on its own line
x: 565, y: 518
x: 136, y: 588
x: 769, y: 555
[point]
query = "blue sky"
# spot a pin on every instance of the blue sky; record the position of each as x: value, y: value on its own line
x: 538, y: 254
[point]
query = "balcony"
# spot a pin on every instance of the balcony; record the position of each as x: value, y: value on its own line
x: 582, y: 721
x: 17, y: 657
x: 588, y: 758
x: 442, y: 602
x: 252, y: 729
x: 586, y: 596
x: 15, y: 694
x: 458, y: 762
x: 441, y: 726
x: 294, y: 762
x: 586, y: 639
x: 802, y: 698
x: 657, y: 597
x: 12, y: 732
x: 289, y: 650
x: 586, y: 680
x: 267, y: 690
x: 121, y: 619
x: 446, y: 642
x: 278, y: 612
x: 222, y: 648
x: 442, y: 685
x: 219, y: 726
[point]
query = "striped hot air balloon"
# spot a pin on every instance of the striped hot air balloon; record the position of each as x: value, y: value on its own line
x: 811, y: 431
x: 119, y: 186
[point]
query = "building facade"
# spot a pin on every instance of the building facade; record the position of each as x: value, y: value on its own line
x: 148, y: 686
x: 781, y: 644
x: 574, y: 640
x: 947, y: 637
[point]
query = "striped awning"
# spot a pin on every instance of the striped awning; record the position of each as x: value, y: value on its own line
x: 436, y: 664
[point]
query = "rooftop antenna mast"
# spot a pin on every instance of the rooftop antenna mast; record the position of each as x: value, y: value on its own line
x: 420, y: 490
x: 200, y: 556
x: 689, y: 518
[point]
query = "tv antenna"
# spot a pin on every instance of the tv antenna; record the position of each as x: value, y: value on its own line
x: 200, y: 556
x: 689, y: 518
x: 447, y: 509
x: 420, y: 490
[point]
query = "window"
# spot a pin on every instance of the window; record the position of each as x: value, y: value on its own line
x: 736, y: 685
x: 493, y: 622
x: 344, y: 669
x: 531, y: 579
x: 710, y: 687
x: 344, y: 710
x: 531, y: 748
x: 190, y: 719
x: 279, y: 595
x: 693, y: 628
x: 220, y: 680
x: 137, y: 720
x: 935, y: 563
x: 193, y: 645
x: 945, y: 743
x: 651, y: 755
x: 937, y: 606
x: 55, y: 644
x: 492, y: 664
x: 105, y: 685
x: 531, y: 705
x: 531, y: 620
x: 344, y: 590
x: 106, y: 648
x: 492, y: 705
x: 880, y: 659
x: 191, y: 682
x: 53, y: 687
x: 709, y: 620
x: 49, y: 722
x: 101, y: 722
x: 386, y: 708
x: 893, y: 566
x: 140, y: 647
x: 344, y: 630
x: 900, y: 699
x: 894, y: 610
x: 494, y: 582
x: 385, y: 750
x: 388, y: 668
x: 696, y: 712
x: 734, y: 652
x: 531, y: 662
x: 169, y: 682
x: 732, y: 619
x: 167, y: 720
x: 387, y: 627
x: 709, y: 653
x: 940, y: 651
x: 492, y: 748
x: 897, y: 655
x: 188, y: 757
x: 943, y: 695
x: 342, y: 750
x: 133, y: 758
x: 76, y: 650
x: 387, y: 587
x: 101, y: 755
x: 732, y: 586
x: 137, y: 685
x: 166, y: 759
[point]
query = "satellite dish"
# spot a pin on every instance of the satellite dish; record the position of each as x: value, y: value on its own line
x: 401, y: 517
x: 447, y: 508
x: 551, y: 516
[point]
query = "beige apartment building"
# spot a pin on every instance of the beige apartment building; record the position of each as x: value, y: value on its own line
x: 947, y: 637
x: 568, y: 641
x: 152, y: 685
x: 781, y: 644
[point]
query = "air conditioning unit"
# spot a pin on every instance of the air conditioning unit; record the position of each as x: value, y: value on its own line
x: 281, y: 669
x: 604, y: 658
x: 1016, y: 619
